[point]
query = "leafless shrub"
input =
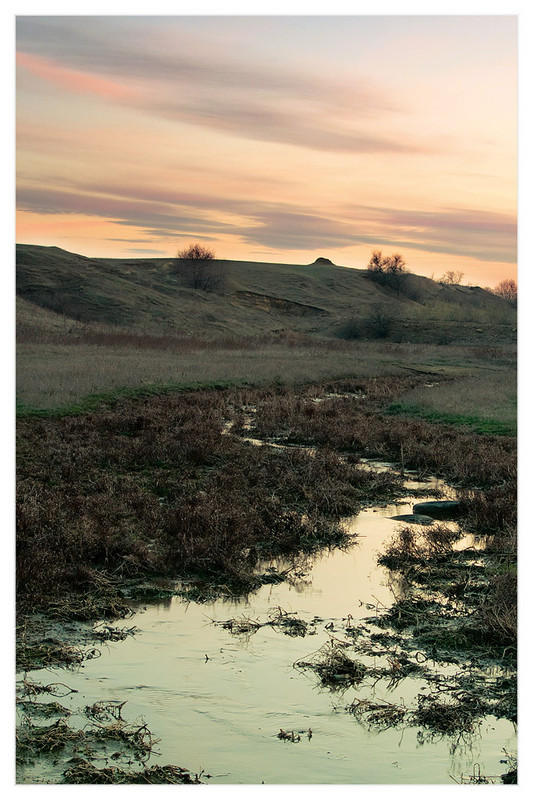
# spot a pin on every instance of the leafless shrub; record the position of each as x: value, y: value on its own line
x: 389, y: 271
x: 200, y: 270
x: 379, y: 323
x: 451, y: 278
x: 508, y: 289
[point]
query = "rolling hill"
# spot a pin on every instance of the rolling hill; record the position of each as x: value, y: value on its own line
x: 58, y: 291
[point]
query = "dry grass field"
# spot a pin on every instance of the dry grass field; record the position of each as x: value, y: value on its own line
x: 89, y: 327
x: 464, y: 380
x: 489, y: 394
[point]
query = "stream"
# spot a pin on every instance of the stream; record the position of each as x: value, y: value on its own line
x: 217, y: 699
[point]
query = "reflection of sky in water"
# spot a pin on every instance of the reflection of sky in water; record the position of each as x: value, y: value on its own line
x: 223, y: 713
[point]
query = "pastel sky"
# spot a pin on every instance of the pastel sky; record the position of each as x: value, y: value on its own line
x: 272, y: 138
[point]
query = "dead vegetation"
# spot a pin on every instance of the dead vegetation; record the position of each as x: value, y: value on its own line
x: 154, y: 487
x: 455, y: 599
x: 410, y: 545
x: 447, y: 717
x: 284, y: 621
x: 151, y: 487
x: 478, y: 777
x: 378, y: 714
x: 436, y: 718
x: 85, y: 772
x: 464, y: 458
x: 107, y: 726
x: 46, y: 642
x: 291, y: 736
x: 93, y: 736
x: 449, y: 707
x: 333, y: 666
x: 49, y: 654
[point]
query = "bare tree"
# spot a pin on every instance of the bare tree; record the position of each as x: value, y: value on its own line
x: 377, y: 262
x: 200, y: 269
x: 451, y: 278
x: 387, y: 270
x: 508, y: 289
x: 395, y: 264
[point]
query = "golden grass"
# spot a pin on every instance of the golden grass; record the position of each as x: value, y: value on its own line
x: 51, y: 375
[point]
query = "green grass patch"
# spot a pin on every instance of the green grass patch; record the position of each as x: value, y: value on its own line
x: 472, y: 422
x: 101, y: 400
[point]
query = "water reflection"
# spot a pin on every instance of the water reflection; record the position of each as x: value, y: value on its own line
x: 217, y: 700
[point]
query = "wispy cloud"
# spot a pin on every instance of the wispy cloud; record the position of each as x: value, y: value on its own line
x: 154, y: 218
x: 479, y: 234
x: 166, y: 54
x: 146, y: 251
x: 73, y: 80
x: 253, y: 100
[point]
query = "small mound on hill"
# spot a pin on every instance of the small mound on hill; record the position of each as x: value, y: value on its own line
x: 323, y: 260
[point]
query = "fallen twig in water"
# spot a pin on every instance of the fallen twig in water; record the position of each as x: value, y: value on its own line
x: 286, y: 621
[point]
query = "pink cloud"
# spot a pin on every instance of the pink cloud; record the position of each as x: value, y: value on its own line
x: 72, y: 79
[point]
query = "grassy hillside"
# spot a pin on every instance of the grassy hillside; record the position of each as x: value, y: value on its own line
x: 90, y: 327
x: 57, y: 289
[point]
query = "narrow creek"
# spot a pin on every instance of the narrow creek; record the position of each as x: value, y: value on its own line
x: 217, y: 699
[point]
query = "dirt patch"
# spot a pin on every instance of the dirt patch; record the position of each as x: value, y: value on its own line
x: 269, y: 303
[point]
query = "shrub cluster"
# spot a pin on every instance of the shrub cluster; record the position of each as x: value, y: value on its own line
x: 376, y: 325
x: 389, y: 271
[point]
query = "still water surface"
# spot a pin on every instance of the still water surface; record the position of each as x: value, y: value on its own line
x: 217, y: 700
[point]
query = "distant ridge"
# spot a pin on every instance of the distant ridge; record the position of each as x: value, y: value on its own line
x: 56, y: 288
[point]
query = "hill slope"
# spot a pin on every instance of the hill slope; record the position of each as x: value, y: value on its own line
x: 56, y: 288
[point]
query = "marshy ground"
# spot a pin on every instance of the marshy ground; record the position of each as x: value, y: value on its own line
x: 117, y: 503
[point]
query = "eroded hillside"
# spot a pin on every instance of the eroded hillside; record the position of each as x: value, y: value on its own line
x: 61, y: 289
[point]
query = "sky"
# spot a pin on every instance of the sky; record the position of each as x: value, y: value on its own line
x: 272, y: 138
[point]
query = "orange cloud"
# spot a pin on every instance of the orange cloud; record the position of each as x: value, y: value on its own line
x: 72, y: 79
